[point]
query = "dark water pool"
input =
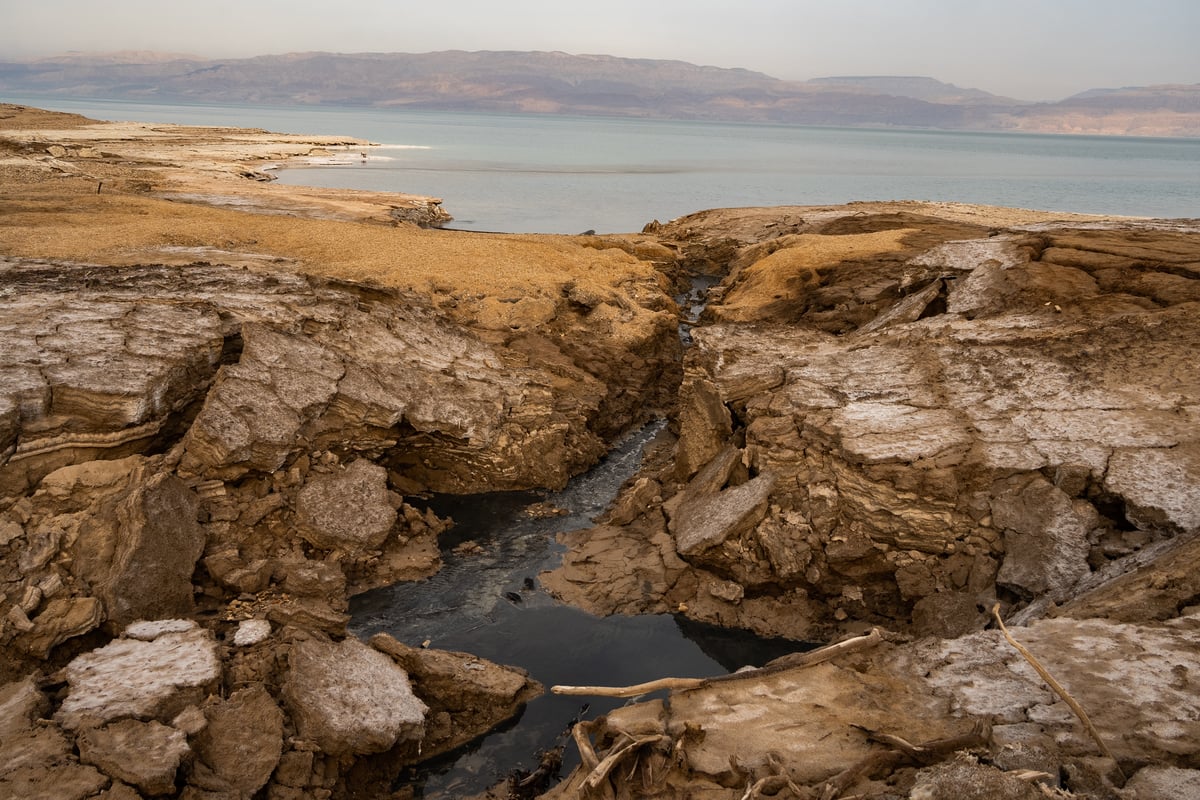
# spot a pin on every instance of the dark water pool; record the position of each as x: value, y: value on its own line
x: 487, y: 601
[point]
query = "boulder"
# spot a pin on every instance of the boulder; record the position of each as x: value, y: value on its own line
x: 350, y: 699
x: 1045, y: 536
x: 251, y: 631
x: 143, y: 754
x: 704, y: 425
x: 156, y: 554
x: 1161, y: 486
x: 348, y: 510
x: 140, y: 679
x: 1163, y: 783
x: 138, y: 544
x: 709, y: 522
x: 966, y: 779
x: 476, y: 694
x: 240, y: 747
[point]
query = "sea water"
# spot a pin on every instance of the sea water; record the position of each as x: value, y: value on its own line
x: 551, y: 174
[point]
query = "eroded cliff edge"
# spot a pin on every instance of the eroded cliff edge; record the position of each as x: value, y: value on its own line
x: 214, y: 416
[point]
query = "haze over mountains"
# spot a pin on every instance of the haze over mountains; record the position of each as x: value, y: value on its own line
x: 560, y: 83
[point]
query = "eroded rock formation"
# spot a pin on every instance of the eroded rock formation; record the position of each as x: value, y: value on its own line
x: 907, y: 420
x: 947, y: 415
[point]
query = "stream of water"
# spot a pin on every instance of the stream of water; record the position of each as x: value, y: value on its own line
x: 485, y: 600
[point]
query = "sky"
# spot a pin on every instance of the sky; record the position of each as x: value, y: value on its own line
x: 1027, y: 49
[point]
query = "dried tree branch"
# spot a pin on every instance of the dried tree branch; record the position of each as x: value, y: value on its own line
x: 610, y: 761
x: 581, y: 732
x: 1058, y: 689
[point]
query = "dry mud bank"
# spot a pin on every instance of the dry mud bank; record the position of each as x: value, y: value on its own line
x: 216, y: 417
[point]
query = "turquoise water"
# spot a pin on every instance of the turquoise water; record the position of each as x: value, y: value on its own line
x: 570, y: 174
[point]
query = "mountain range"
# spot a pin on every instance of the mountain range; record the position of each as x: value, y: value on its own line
x: 561, y: 83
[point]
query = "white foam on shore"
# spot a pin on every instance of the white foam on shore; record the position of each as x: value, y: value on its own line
x: 351, y: 155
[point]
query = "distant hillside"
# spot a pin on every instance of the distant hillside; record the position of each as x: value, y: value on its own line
x: 917, y: 87
x: 559, y: 83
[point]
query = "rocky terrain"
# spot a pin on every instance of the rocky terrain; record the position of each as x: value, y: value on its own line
x: 222, y: 402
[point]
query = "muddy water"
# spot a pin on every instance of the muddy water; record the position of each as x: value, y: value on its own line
x: 486, y: 600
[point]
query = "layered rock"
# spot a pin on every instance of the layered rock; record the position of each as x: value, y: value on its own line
x: 318, y: 366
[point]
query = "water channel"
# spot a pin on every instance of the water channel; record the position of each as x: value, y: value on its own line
x: 486, y: 600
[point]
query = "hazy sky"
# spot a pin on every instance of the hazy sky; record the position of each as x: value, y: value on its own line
x: 1031, y: 49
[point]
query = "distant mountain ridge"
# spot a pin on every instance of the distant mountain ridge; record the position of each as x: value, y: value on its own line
x: 561, y: 83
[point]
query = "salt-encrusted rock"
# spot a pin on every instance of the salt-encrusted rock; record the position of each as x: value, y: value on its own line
x: 142, y: 680
x: 149, y: 630
x: 1119, y: 673
x: 954, y: 413
x: 239, y: 748
x: 708, y: 522
x: 350, y: 699
x: 704, y: 426
x: 21, y: 702
x: 144, y: 754
x: 251, y: 632
x: 934, y: 689
x: 93, y: 376
x: 347, y: 510
x: 1161, y: 485
x: 132, y: 534
x: 967, y: 779
x: 159, y: 543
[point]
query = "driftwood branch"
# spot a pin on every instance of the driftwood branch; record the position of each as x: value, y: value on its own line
x: 581, y: 732
x: 1058, y: 689
x: 796, y: 661
x: 610, y: 761
x: 631, y: 691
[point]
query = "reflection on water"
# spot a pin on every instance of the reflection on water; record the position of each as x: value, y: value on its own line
x: 487, y: 602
